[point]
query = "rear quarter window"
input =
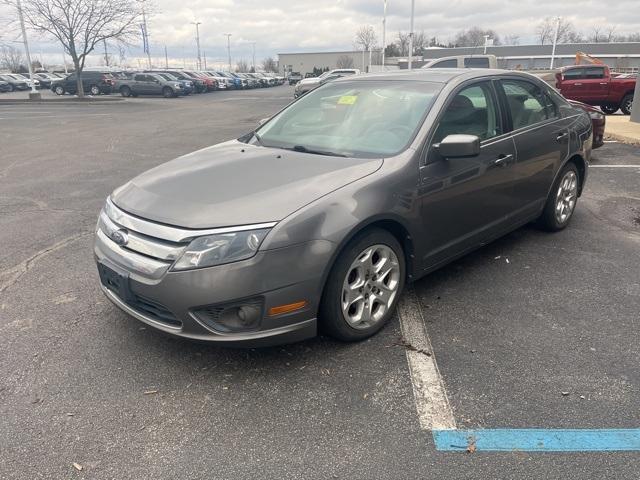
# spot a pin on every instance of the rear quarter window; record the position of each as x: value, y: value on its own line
x: 476, y: 62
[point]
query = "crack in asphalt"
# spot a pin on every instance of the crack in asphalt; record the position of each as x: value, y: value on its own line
x: 11, y: 276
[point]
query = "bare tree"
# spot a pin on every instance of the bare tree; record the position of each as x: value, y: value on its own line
x: 420, y: 42
x: 474, y: 37
x: 11, y: 59
x: 242, y: 66
x: 546, y: 30
x: 596, y: 36
x: 403, y: 43
x: 366, y: 37
x: 81, y: 25
x: 269, y: 65
x: 512, y: 40
x: 610, y: 34
x: 344, y: 61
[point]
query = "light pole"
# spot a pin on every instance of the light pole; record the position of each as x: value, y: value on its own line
x: 555, y: 41
x: 635, y: 106
x: 253, y: 45
x: 228, y: 35
x: 33, y: 94
x: 166, y: 58
x: 198, y: 43
x: 486, y: 40
x: 145, y: 34
x: 106, y: 54
x: 413, y: 5
x: 384, y: 30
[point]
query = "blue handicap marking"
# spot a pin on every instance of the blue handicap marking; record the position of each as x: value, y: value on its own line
x: 537, y: 440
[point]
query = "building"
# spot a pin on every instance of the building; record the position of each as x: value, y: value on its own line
x: 624, y: 57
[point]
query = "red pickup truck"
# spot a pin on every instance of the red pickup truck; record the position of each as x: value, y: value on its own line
x: 594, y: 85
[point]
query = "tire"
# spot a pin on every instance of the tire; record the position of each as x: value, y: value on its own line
x: 610, y: 109
x: 59, y: 90
x: 11, y: 88
x: 94, y: 90
x: 626, y: 104
x: 125, y: 91
x: 562, y: 200
x: 374, y: 298
x: 167, y: 92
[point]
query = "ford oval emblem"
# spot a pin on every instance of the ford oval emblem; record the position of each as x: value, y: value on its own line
x: 120, y: 237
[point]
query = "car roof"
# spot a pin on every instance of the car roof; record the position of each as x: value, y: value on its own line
x: 434, y: 75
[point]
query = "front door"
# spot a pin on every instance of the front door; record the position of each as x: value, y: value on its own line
x: 466, y: 200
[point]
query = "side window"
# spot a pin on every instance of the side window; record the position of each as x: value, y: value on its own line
x: 527, y: 103
x: 594, y: 72
x: 451, y: 63
x: 573, y: 74
x: 476, y: 62
x: 472, y: 111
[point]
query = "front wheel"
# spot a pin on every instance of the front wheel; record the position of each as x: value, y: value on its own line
x: 609, y: 109
x: 167, y: 92
x: 59, y: 90
x: 95, y: 90
x: 562, y: 199
x: 125, y: 91
x: 364, y: 286
x: 626, y: 104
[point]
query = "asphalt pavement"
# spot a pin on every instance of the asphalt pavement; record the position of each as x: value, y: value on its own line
x: 535, y: 330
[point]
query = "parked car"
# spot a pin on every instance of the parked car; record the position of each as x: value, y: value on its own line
x: 252, y: 82
x: 594, y: 85
x: 304, y: 86
x: 187, y: 85
x: 27, y: 79
x: 209, y: 83
x: 598, y: 120
x: 5, y: 86
x: 320, y: 216
x: 46, y: 79
x: 294, y: 77
x: 93, y: 83
x: 15, y: 83
x: 149, y: 84
x: 238, y: 83
x: 224, y: 83
x: 464, y: 61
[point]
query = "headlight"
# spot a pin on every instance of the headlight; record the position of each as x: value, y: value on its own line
x: 596, y: 115
x: 221, y: 248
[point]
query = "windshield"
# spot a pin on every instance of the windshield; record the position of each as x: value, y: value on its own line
x: 352, y: 118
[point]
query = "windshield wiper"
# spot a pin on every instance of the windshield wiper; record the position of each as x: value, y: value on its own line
x: 302, y: 148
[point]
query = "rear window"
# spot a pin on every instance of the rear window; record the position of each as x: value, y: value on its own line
x: 451, y: 63
x: 594, y: 72
x: 476, y: 62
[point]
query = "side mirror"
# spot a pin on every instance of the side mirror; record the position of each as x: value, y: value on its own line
x: 263, y: 120
x: 459, y: 146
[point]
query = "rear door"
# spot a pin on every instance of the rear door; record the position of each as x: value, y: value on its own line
x: 140, y: 84
x: 541, y: 139
x: 595, y: 84
x: 465, y: 201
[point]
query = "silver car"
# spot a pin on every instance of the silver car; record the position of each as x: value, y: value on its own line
x: 308, y: 84
x: 319, y: 217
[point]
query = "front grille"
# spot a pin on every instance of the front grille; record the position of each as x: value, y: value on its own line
x: 153, y: 310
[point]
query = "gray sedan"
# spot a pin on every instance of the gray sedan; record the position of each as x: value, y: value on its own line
x: 319, y: 217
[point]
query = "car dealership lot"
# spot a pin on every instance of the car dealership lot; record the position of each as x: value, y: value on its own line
x: 534, y: 330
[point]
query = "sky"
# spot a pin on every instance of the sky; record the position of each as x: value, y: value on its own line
x: 280, y: 26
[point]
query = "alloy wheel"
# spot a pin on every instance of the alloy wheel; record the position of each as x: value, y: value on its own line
x: 566, y: 197
x: 370, y: 286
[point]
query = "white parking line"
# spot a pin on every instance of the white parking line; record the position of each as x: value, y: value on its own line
x: 434, y: 410
x: 614, y: 166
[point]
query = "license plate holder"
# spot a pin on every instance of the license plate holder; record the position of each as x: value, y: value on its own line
x: 115, y: 280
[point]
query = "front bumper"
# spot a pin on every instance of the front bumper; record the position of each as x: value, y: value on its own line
x: 267, y: 276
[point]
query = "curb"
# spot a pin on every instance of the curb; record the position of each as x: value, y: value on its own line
x: 51, y: 101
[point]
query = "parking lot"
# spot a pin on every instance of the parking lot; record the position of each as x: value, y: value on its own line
x: 536, y: 330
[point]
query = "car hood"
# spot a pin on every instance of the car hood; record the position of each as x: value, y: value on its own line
x: 236, y: 184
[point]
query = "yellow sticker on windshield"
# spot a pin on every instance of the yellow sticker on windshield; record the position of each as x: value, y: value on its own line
x: 347, y: 100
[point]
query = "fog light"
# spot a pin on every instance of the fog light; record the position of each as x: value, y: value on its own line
x: 237, y: 317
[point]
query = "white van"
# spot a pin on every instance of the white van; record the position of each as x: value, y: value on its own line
x: 464, y: 61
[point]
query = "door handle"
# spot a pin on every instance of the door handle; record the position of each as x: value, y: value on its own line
x: 603, y: 83
x: 578, y: 84
x: 562, y: 136
x: 503, y: 160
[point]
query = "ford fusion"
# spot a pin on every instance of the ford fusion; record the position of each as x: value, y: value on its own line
x: 318, y: 218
